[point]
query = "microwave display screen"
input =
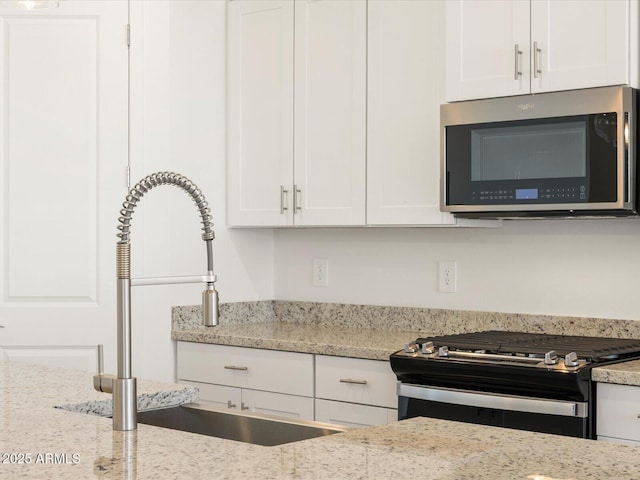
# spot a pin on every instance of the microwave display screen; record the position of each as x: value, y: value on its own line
x: 526, y: 193
x: 550, y: 150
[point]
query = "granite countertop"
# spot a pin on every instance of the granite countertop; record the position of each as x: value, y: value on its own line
x: 369, y: 343
x: 376, y: 332
x: 65, y: 444
x: 625, y: 373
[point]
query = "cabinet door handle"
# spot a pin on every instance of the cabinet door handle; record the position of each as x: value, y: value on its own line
x: 296, y: 202
x: 234, y: 367
x: 349, y: 380
x: 516, y: 62
x: 536, y: 60
x: 230, y: 405
x: 243, y: 406
x: 283, y: 203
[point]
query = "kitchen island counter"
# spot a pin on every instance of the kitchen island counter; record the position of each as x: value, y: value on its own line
x: 64, y: 444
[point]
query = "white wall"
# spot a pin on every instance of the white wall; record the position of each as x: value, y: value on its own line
x: 178, y: 124
x: 558, y: 267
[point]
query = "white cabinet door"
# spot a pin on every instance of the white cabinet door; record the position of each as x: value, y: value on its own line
x: 483, y: 38
x: 279, y: 404
x: 405, y: 79
x: 254, y: 401
x: 220, y: 396
x: 353, y: 415
x: 63, y: 118
x: 618, y: 412
x: 259, y: 112
x: 579, y: 44
x: 330, y: 112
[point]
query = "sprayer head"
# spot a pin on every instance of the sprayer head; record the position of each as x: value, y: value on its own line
x: 210, y: 312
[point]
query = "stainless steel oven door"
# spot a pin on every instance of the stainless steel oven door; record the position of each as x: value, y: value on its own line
x: 524, y: 413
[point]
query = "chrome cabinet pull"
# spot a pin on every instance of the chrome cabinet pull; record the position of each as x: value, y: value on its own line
x: 516, y: 61
x: 230, y: 405
x: 349, y: 380
x: 234, y: 367
x: 243, y: 406
x: 296, y: 203
x: 283, y: 203
x: 536, y: 60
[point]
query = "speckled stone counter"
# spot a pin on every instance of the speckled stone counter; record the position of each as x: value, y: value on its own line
x: 68, y: 445
x: 376, y: 344
x: 625, y: 373
x: 366, y: 331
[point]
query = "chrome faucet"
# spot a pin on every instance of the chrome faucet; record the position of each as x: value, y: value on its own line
x: 123, y: 386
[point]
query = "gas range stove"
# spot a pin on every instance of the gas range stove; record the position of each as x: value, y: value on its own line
x: 531, y: 381
x: 551, y: 352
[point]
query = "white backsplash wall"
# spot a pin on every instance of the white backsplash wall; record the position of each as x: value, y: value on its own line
x: 178, y: 124
x: 558, y: 267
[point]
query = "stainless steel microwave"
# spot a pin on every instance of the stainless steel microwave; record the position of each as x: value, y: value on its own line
x: 569, y: 153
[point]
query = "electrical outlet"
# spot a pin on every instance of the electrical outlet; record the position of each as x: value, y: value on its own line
x: 447, y: 277
x: 320, y: 272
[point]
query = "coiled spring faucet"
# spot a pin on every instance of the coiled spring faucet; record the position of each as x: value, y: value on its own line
x: 123, y: 386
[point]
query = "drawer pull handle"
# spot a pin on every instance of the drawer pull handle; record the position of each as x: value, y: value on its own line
x: 230, y: 405
x: 233, y: 367
x: 348, y: 380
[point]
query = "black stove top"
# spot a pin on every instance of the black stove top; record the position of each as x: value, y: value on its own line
x: 591, y: 349
x: 534, y: 364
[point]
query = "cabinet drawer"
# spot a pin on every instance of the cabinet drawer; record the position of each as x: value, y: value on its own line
x: 275, y: 371
x: 369, y: 382
x: 353, y: 415
x: 219, y: 396
x: 617, y: 411
x: 289, y: 406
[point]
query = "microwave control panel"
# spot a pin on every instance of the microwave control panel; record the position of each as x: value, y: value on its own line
x: 575, y: 194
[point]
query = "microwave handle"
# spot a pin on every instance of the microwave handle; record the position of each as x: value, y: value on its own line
x: 628, y: 153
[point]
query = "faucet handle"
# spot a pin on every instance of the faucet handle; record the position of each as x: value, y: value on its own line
x: 100, y: 359
x: 102, y: 382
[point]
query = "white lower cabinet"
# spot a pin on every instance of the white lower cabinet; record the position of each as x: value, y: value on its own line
x: 255, y: 401
x: 353, y: 414
x: 251, y: 379
x: 618, y: 413
x: 355, y: 392
x: 347, y: 391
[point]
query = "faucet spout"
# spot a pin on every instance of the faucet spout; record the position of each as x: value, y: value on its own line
x: 123, y: 387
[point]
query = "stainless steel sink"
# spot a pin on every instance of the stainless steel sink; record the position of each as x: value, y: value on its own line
x: 264, y: 430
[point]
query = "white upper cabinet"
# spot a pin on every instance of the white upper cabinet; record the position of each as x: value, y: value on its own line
x: 500, y: 48
x: 579, y: 44
x: 259, y: 112
x: 330, y: 112
x: 405, y: 90
x: 315, y: 176
x: 487, y: 46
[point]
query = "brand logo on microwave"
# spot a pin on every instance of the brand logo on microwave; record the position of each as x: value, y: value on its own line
x: 526, y: 106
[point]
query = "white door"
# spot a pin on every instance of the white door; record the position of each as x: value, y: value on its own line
x: 260, y: 113
x: 483, y: 41
x: 405, y: 89
x: 63, y: 158
x: 330, y: 112
x: 579, y: 44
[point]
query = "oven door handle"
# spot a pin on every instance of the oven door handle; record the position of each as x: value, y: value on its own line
x: 494, y: 400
